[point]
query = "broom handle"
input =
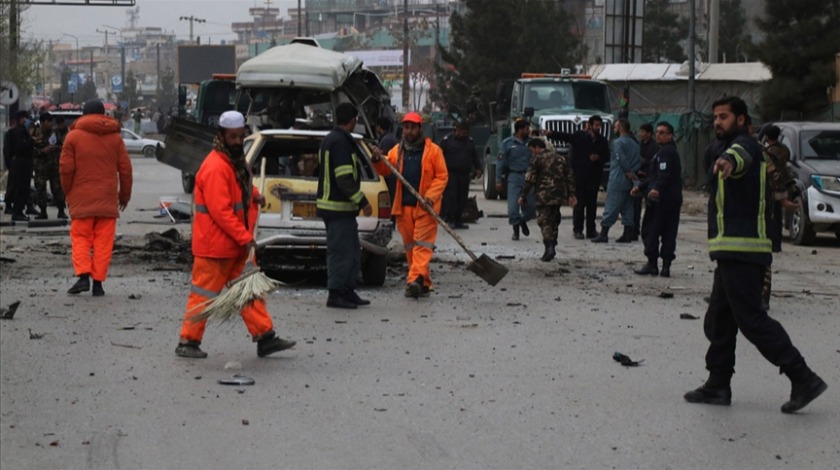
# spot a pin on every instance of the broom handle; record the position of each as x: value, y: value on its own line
x: 252, y: 253
x: 426, y: 206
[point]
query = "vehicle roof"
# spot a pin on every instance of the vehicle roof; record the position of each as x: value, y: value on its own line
x: 297, y: 65
x: 556, y: 80
x: 299, y: 133
x: 809, y: 125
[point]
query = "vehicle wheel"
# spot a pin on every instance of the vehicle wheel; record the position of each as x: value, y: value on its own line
x: 149, y: 151
x: 489, y: 182
x: 373, y: 272
x: 188, y: 182
x: 801, y: 230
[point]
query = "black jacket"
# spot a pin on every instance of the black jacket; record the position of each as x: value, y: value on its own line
x: 664, y: 174
x: 460, y: 154
x: 339, y: 176
x: 587, y: 173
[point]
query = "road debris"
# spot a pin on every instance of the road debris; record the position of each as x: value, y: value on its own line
x: 625, y: 360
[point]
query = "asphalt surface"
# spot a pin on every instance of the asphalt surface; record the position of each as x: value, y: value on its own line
x: 474, y: 377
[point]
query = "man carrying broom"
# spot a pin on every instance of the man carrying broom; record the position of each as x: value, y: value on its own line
x: 226, y: 209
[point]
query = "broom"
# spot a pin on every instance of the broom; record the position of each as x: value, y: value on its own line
x: 249, y: 286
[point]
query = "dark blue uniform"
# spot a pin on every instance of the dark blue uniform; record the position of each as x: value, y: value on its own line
x: 662, y: 214
x: 461, y: 160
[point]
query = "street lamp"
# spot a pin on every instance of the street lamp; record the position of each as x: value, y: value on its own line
x: 77, y: 62
x: 192, y: 20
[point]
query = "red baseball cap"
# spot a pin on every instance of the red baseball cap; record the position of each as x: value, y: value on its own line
x: 413, y: 117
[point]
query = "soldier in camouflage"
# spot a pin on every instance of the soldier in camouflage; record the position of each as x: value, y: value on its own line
x: 554, y: 183
x: 48, y: 142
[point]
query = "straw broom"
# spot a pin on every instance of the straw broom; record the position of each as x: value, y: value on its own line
x: 250, y: 286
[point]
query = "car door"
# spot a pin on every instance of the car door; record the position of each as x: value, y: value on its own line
x: 133, y: 143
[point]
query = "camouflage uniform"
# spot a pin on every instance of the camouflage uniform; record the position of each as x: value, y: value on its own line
x: 47, y: 153
x: 554, y: 181
x: 782, y: 186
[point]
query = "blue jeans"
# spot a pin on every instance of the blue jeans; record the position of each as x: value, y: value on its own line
x: 618, y: 202
x: 516, y: 213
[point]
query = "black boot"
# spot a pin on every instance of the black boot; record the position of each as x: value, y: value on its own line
x: 338, y: 299
x: 61, y: 213
x: 43, y: 214
x: 82, y: 285
x: 354, y: 297
x: 603, y: 236
x: 715, y: 391
x: 804, y: 392
x: 525, y: 230
x: 666, y: 268
x: 31, y: 210
x: 98, y: 291
x: 515, y: 233
x: 270, y: 344
x: 549, y: 253
x: 649, y: 268
x: 626, y: 236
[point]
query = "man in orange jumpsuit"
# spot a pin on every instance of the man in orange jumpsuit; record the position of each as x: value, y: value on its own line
x: 226, y: 209
x: 96, y: 178
x: 421, y: 162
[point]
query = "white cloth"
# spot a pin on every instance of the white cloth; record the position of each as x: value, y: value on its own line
x: 232, y: 120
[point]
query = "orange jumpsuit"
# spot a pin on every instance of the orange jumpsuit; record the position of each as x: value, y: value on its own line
x: 218, y: 244
x: 417, y: 227
x: 96, y: 177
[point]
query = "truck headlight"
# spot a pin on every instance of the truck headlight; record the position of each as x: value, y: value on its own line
x: 829, y: 184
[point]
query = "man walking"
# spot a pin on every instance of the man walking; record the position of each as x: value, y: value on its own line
x: 739, y: 244
x: 647, y: 149
x: 340, y: 198
x: 421, y: 163
x: 96, y: 176
x: 551, y: 178
x: 462, y: 164
x: 48, y: 142
x: 590, y: 150
x: 663, y: 188
x: 226, y: 208
x: 624, y: 163
x: 514, y: 161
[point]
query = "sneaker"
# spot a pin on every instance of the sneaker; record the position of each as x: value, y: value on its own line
x: 272, y: 345
x: 710, y: 396
x: 803, y: 393
x: 98, y: 291
x: 190, y: 350
x: 82, y: 285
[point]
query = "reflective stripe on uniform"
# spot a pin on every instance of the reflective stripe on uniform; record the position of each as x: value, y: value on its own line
x: 408, y: 246
x: 343, y: 170
x: 342, y: 206
x: 742, y: 159
x: 428, y: 245
x: 742, y: 244
x: 239, y: 206
x: 203, y: 292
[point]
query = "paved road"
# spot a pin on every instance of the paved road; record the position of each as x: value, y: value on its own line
x: 518, y: 376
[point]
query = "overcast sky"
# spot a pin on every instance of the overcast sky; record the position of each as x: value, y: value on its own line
x: 51, y: 22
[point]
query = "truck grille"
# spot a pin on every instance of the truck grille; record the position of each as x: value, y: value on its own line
x: 570, y: 127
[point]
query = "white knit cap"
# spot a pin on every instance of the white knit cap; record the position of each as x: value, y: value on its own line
x: 232, y: 120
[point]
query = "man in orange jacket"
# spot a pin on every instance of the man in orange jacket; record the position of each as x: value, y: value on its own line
x: 96, y: 178
x: 226, y: 209
x: 421, y: 162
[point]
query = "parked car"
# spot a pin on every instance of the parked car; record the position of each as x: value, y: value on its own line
x: 292, y: 238
x: 815, y: 164
x: 137, y: 145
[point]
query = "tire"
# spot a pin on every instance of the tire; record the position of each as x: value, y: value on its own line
x: 374, y: 269
x: 149, y: 151
x: 801, y: 230
x: 489, y: 182
x: 188, y: 182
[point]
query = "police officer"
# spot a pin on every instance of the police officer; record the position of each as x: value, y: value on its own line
x: 21, y: 148
x: 590, y: 151
x: 648, y: 148
x: 48, y: 142
x: 462, y: 162
x: 339, y: 200
x: 513, y: 163
x: 551, y: 178
x: 663, y: 202
x: 739, y: 244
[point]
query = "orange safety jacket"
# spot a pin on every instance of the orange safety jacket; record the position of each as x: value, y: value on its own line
x: 432, y: 181
x: 219, y: 229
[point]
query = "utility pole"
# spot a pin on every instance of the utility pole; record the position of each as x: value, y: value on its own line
x: 299, y: 19
x: 405, y: 90
x: 691, y: 54
x: 14, y: 38
x: 192, y: 20
x: 714, y: 30
x: 157, y: 46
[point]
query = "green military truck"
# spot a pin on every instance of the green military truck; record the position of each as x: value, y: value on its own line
x: 553, y: 102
